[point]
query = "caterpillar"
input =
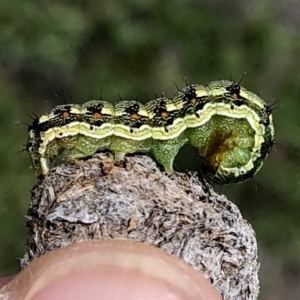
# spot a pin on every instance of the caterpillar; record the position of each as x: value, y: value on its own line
x: 230, y: 127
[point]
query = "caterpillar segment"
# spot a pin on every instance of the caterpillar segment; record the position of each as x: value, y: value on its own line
x: 230, y: 127
x: 95, y: 128
x: 168, y: 126
x: 132, y: 132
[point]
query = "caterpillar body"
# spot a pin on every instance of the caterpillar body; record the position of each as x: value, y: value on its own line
x: 230, y: 127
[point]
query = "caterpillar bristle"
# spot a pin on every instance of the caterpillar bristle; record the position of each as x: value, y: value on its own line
x: 186, y: 82
x: 242, y: 77
x: 155, y: 94
x: 22, y: 124
x: 220, y: 75
x: 120, y: 97
x: 21, y: 151
x: 176, y: 86
x: 33, y: 116
x: 147, y: 96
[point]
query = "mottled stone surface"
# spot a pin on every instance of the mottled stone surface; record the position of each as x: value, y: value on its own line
x: 93, y: 199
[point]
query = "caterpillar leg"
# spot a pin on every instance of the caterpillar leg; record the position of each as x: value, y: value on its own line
x: 70, y: 154
x: 70, y: 148
x: 165, y: 151
x: 122, y: 146
x: 84, y: 144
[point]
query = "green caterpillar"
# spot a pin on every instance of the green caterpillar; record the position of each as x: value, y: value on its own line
x: 230, y: 127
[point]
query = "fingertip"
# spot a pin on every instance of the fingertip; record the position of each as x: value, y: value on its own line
x: 110, y: 269
x: 5, y: 280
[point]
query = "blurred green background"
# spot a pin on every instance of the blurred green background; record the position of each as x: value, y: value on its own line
x: 50, y: 50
